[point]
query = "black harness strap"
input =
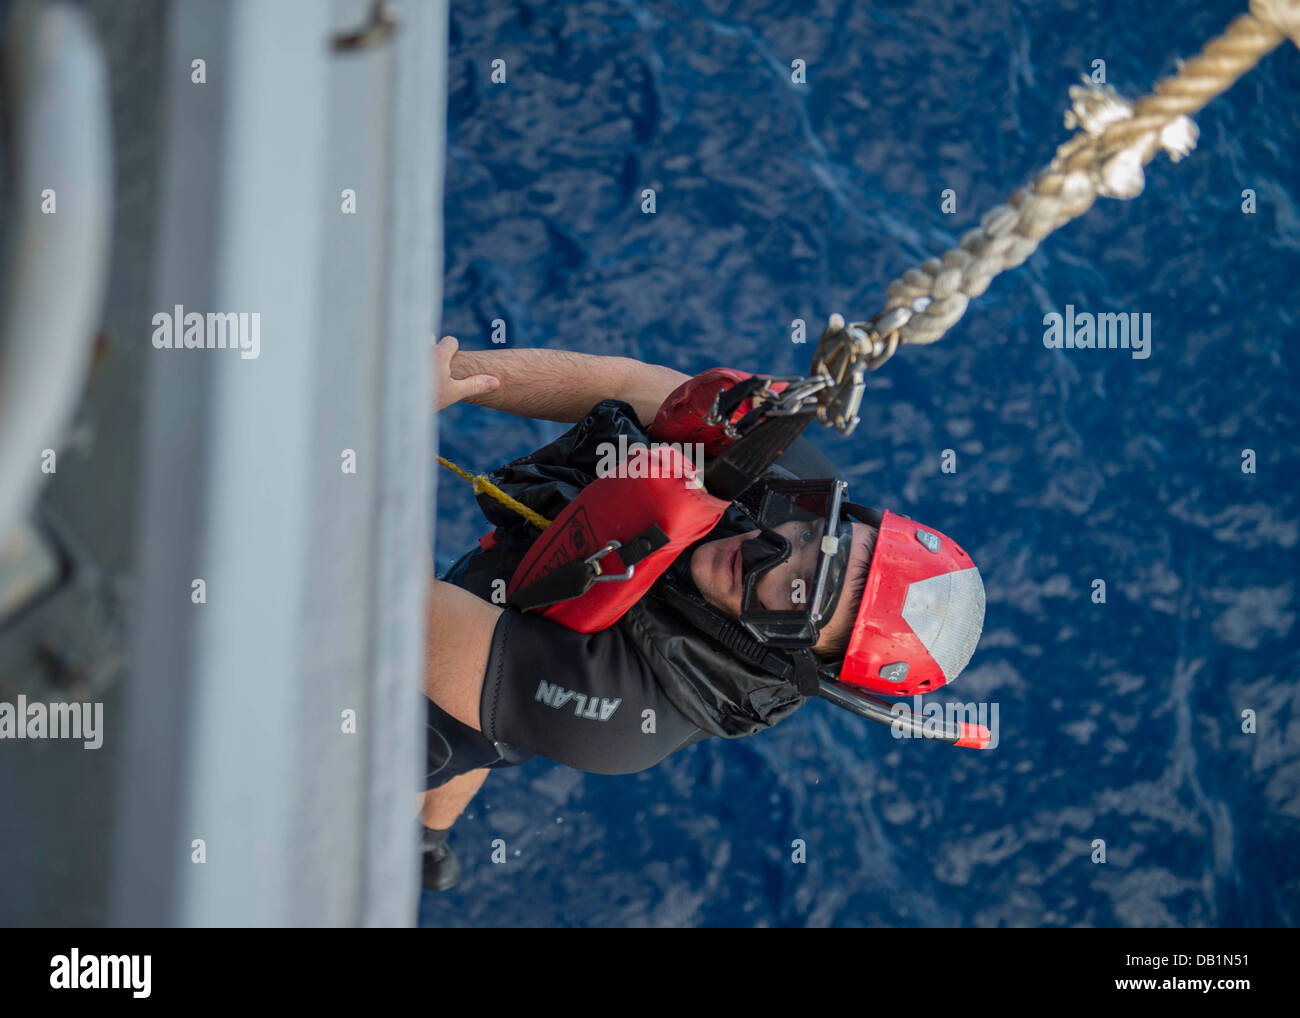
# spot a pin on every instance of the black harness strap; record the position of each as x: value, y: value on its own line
x: 729, y: 399
x: 576, y: 577
x: 805, y: 670
x: 753, y: 455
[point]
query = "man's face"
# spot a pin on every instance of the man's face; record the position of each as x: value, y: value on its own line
x: 716, y: 570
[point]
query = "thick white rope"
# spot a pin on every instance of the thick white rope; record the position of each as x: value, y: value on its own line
x: 1114, y: 141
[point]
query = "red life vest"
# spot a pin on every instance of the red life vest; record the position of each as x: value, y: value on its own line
x: 621, y: 508
x: 664, y: 490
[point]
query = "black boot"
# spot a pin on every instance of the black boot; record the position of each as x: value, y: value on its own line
x: 441, y: 867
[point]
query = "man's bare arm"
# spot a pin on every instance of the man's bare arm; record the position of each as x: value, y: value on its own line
x: 559, y: 385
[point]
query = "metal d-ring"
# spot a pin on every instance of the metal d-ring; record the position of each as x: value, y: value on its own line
x: 605, y: 577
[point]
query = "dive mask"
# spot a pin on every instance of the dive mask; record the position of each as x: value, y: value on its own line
x: 793, y: 570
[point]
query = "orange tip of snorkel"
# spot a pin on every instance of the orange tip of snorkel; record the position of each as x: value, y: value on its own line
x: 973, y: 736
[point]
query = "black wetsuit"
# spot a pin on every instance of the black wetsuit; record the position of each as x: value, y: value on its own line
x: 608, y: 702
x: 587, y: 700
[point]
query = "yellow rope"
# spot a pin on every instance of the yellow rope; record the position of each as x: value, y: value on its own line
x: 483, y: 486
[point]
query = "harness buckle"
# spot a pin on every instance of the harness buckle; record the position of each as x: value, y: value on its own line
x: 594, y: 562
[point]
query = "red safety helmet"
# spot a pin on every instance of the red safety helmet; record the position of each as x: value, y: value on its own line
x: 921, y: 613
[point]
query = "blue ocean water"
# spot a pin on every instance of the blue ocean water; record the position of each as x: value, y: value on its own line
x: 1119, y: 721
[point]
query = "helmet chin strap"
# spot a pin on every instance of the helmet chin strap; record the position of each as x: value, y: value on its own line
x: 806, y: 669
x: 864, y: 514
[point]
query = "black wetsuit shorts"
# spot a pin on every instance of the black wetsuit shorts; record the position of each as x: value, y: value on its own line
x: 587, y: 700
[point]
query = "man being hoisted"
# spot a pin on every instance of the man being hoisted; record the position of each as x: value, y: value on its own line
x: 653, y: 613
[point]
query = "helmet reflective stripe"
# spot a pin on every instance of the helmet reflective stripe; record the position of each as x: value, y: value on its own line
x: 947, y: 614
